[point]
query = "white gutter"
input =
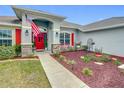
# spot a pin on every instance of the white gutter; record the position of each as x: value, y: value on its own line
x: 9, y: 24
x: 103, y: 28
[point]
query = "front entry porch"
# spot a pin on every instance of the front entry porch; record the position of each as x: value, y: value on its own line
x: 42, y: 20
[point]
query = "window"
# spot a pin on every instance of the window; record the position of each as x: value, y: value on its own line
x: 5, y: 37
x: 62, y: 38
x: 0, y: 34
x: 65, y: 38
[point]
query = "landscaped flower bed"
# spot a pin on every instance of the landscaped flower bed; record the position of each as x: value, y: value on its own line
x: 96, y: 70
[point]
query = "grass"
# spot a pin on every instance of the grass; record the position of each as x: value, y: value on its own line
x: 26, y: 74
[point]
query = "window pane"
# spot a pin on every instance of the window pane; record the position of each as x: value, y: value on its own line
x: 0, y: 42
x: 9, y: 42
x: 61, y: 35
x: 62, y: 42
x: 62, y: 38
x: 0, y: 33
x: 67, y: 35
x: 67, y: 42
x: 9, y: 34
x: 67, y: 39
x: 4, y: 33
x: 4, y: 42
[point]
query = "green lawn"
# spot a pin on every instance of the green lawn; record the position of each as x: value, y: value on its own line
x: 23, y: 74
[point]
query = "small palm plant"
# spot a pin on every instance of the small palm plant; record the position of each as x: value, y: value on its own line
x: 61, y: 58
x: 56, y: 53
x: 85, y: 58
x: 87, y: 72
x: 117, y: 62
x: 71, y: 62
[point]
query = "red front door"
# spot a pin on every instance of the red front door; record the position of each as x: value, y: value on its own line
x: 18, y: 36
x: 39, y: 41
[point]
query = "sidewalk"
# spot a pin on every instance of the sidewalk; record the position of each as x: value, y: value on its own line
x: 59, y: 76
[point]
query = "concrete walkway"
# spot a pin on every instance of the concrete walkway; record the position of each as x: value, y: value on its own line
x: 59, y: 76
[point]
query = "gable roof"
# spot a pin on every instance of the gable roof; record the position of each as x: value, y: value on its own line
x: 71, y: 25
x: 20, y: 10
x: 104, y: 24
x: 9, y: 20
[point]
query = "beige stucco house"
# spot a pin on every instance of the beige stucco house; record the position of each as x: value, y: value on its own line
x: 107, y: 34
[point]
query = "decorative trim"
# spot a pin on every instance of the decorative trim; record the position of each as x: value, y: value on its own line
x: 26, y: 27
x: 26, y: 43
x: 8, y: 24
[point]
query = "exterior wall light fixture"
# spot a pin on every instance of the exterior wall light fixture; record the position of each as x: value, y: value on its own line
x: 56, y: 34
x: 26, y: 33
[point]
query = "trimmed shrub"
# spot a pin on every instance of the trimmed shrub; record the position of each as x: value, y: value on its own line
x: 71, y: 62
x: 105, y: 58
x: 17, y: 50
x: 92, y: 57
x: 61, y: 58
x: 7, y: 52
x: 87, y: 72
x: 101, y: 58
x: 71, y: 48
x: 86, y: 58
x: 117, y: 62
x: 56, y: 53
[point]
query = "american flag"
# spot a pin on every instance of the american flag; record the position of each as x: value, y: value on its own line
x: 35, y: 28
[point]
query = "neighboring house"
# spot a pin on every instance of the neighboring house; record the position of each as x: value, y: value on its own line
x: 107, y: 34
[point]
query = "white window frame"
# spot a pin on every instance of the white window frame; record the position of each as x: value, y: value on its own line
x: 7, y: 38
x: 64, y: 36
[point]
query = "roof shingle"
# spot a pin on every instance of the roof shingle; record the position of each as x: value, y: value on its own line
x: 106, y: 23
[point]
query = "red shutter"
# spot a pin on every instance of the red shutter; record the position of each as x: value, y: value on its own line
x: 18, y: 36
x: 72, y: 39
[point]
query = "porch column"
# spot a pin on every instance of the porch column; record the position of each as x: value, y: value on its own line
x: 56, y: 33
x: 26, y: 36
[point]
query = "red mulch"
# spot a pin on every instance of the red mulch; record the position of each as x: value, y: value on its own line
x: 104, y: 76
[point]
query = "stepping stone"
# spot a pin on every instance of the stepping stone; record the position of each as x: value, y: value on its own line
x: 98, y: 63
x: 114, y: 59
x: 121, y: 68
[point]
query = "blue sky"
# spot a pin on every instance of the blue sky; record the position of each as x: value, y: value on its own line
x: 77, y: 14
